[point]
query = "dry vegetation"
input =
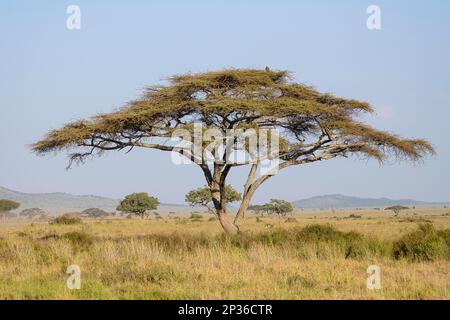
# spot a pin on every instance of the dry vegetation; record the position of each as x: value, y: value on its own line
x: 318, y: 256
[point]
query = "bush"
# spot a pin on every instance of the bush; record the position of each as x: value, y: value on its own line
x: 8, y: 205
x: 196, y: 217
x: 79, y: 240
x: 445, y: 234
x: 353, y: 244
x: 424, y: 244
x: 67, y: 219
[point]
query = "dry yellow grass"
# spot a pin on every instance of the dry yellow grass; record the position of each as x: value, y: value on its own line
x: 130, y: 259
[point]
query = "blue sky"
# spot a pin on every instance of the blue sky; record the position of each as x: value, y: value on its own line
x: 50, y: 75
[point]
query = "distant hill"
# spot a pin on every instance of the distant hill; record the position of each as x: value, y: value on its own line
x: 338, y: 201
x: 59, y: 202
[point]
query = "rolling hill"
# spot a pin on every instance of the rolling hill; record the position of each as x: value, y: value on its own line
x: 339, y: 201
x: 59, y: 202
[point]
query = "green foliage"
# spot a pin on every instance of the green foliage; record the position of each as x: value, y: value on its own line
x: 259, y: 209
x: 243, y: 96
x: 199, y: 196
x: 315, y: 126
x: 67, y: 219
x: 203, y: 197
x: 138, y: 203
x: 445, y: 234
x: 279, y: 207
x: 8, y: 205
x: 350, y: 245
x: 275, y: 206
x: 79, y: 240
x: 196, y: 217
x: 424, y: 244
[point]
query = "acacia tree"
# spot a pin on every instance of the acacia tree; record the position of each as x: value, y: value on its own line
x: 138, y: 203
x: 32, y: 212
x: 279, y: 207
x: 203, y: 197
x: 396, y: 209
x: 312, y: 127
x: 8, y: 205
x: 259, y: 209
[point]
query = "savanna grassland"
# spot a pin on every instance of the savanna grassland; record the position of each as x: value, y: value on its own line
x: 321, y: 255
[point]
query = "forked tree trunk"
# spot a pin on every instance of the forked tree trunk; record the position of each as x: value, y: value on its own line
x: 217, y: 188
x: 243, y: 208
x: 227, y: 224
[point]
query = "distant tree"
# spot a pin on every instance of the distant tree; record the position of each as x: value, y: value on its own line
x: 8, y: 205
x: 396, y: 209
x: 280, y: 207
x: 138, y: 203
x: 260, y: 209
x: 203, y: 197
x: 94, y: 213
x: 32, y: 212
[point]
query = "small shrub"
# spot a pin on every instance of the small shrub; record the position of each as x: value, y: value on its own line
x: 445, y: 234
x: 318, y: 232
x: 196, y: 217
x: 275, y: 237
x: 67, y: 219
x: 212, y: 219
x: 79, y: 240
x: 425, y: 244
x: 352, y: 244
x: 43, y: 254
x: 355, y: 216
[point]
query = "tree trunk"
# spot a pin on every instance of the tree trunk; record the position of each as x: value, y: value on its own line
x: 226, y: 223
x: 243, y: 208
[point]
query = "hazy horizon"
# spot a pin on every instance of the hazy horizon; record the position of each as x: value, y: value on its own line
x: 51, y: 75
x: 232, y: 205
